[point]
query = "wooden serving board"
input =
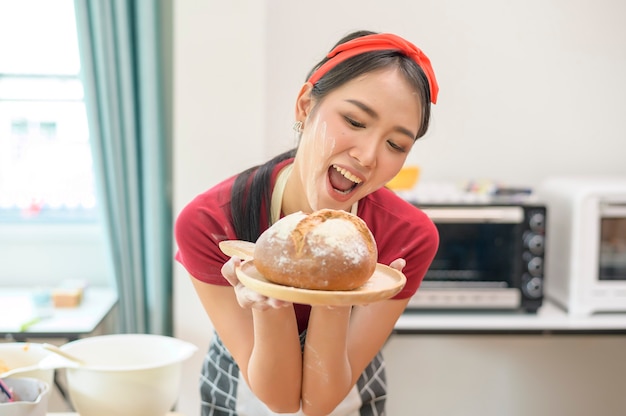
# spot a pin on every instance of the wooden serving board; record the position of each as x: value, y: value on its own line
x: 384, y: 283
x: 242, y: 249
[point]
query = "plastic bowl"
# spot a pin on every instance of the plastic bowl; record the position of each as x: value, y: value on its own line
x: 126, y: 374
x: 32, y: 397
x: 22, y: 354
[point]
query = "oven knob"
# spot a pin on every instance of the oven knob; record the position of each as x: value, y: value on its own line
x: 535, y: 266
x: 537, y: 221
x: 534, y: 243
x: 533, y: 287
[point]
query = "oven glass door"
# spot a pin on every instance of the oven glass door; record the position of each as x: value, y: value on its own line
x: 612, y: 256
x: 477, y: 250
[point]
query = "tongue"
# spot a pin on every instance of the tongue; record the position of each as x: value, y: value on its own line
x: 338, y: 181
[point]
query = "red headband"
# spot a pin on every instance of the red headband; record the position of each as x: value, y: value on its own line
x: 378, y: 42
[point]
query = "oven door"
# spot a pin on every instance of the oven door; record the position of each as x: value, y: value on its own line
x: 612, y: 247
x: 478, y: 261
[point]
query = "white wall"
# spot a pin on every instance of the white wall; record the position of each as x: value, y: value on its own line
x: 219, y: 91
x: 528, y: 89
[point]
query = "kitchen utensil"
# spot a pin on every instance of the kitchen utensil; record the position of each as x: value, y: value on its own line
x: 6, y: 393
x: 64, y: 354
x: 384, y: 283
x: 126, y: 374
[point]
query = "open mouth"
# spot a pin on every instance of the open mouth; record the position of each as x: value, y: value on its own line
x: 341, y: 180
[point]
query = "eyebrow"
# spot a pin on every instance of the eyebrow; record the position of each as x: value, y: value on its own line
x: 367, y: 109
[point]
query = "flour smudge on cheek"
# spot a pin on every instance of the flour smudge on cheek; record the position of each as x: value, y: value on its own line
x: 318, y: 151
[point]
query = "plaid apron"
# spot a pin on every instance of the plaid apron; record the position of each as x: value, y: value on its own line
x: 224, y: 393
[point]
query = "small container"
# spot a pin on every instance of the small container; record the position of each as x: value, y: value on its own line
x: 405, y: 180
x: 30, y: 397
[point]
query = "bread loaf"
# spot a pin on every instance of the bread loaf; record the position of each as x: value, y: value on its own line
x: 326, y: 250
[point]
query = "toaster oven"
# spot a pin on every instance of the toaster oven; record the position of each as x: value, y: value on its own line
x: 490, y: 257
x: 586, y: 273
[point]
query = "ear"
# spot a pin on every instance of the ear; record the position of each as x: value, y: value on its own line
x: 304, y: 103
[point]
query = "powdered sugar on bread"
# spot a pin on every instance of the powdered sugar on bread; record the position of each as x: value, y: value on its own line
x: 328, y: 249
x: 339, y: 234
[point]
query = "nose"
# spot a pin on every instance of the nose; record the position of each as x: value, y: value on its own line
x: 365, y: 152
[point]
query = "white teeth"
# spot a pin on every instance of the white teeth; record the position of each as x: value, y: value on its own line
x: 347, y: 174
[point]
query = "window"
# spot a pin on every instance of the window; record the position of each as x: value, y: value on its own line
x: 50, y: 228
x: 46, y: 171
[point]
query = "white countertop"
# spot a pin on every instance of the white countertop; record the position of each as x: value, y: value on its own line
x: 549, y: 318
x: 16, y: 310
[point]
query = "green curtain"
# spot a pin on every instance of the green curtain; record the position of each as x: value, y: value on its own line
x: 122, y: 72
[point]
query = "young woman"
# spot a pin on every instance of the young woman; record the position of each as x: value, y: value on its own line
x: 358, y: 115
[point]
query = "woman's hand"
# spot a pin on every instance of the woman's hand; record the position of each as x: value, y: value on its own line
x: 398, y: 264
x: 248, y: 298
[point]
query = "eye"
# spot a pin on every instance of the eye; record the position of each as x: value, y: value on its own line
x: 396, y: 146
x: 354, y: 123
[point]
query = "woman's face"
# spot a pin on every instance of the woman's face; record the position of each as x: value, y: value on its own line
x: 353, y: 141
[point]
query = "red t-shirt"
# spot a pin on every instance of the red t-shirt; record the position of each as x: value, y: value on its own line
x: 400, y: 229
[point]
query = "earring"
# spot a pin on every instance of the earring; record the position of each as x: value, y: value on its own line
x: 297, y: 126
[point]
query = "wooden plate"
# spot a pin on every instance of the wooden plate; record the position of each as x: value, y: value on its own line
x: 242, y: 249
x: 384, y: 284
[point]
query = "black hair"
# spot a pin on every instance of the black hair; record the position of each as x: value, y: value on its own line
x: 252, y: 191
x: 371, y: 61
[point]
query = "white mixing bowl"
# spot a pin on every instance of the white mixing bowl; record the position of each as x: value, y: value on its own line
x: 23, y: 354
x: 126, y: 374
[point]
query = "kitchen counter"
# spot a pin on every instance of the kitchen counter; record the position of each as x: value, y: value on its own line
x: 549, y: 319
x: 19, y: 320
